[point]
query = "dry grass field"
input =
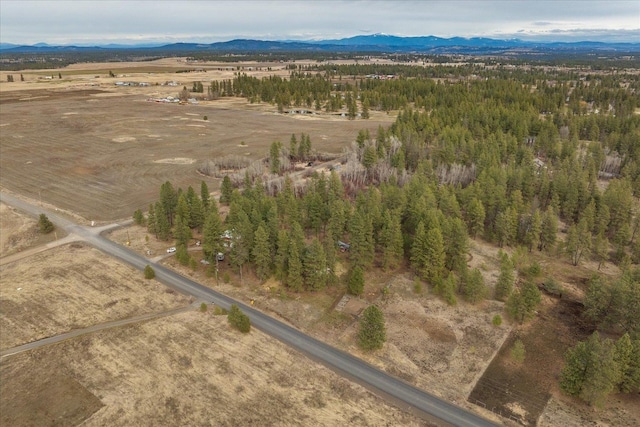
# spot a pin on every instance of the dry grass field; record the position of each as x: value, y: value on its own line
x: 102, y: 151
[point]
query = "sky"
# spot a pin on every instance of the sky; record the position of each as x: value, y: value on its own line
x: 85, y: 22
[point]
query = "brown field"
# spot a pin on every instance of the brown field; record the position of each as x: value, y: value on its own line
x: 103, y: 151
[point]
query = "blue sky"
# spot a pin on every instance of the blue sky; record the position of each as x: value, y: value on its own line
x: 106, y: 21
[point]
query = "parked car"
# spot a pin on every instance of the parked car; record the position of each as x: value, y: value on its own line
x: 171, y: 250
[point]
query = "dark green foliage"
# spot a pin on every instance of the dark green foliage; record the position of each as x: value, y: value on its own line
x: 226, y: 189
x: 473, y: 287
x: 262, y: 253
x: 182, y: 255
x: 151, y: 221
x: 616, y: 304
x: 522, y: 303
x: 238, y: 319
x: 372, y: 334
x: 504, y: 285
x: 211, y: 235
x: 315, y: 267
x: 149, y: 273
x: 138, y: 217
x: 427, y: 254
x: 355, y: 285
x: 45, y: 225
x: 497, y: 320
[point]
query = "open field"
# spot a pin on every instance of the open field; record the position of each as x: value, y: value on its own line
x: 73, y: 287
x: 189, y: 369
x: 103, y: 151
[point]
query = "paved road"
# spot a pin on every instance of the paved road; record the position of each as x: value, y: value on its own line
x: 345, y: 364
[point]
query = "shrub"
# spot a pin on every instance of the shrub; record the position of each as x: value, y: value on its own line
x: 45, y: 225
x: 203, y: 307
x: 497, y: 320
x: 226, y: 278
x: 238, y: 319
x: 417, y: 286
x: 149, y: 273
x: 205, y: 118
x: 372, y: 335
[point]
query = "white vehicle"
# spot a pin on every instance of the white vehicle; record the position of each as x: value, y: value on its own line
x: 171, y: 250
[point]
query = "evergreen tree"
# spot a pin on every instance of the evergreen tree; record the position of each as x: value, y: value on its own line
x: 282, y: 255
x: 138, y: 217
x: 204, y: 196
x: 293, y: 146
x: 163, y: 229
x: 475, y: 217
x: 372, y: 334
x: 149, y: 273
x: 427, y: 254
x: 262, y: 253
x: 391, y: 240
x: 182, y: 232
x: 211, y: 234
x: 474, y: 289
x: 506, y: 278
x: 226, y: 189
x: 45, y: 225
x: 315, y: 266
x: 532, y: 235
x: 169, y: 201
x: 238, y: 319
x: 295, y: 279
x: 362, y: 243
x: 455, y: 234
x: 355, y: 285
x: 274, y: 157
x: 151, y: 221
x: 549, y: 230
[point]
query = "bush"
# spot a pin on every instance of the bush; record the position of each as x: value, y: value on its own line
x: 552, y: 287
x: 497, y: 320
x: 45, y: 225
x: 205, y: 118
x: 238, y: 319
x: 372, y: 335
x: 203, y: 307
x: 417, y: 286
x: 219, y: 311
x: 149, y: 273
x: 226, y: 278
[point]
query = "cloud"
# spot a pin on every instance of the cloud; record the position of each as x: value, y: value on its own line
x: 67, y: 21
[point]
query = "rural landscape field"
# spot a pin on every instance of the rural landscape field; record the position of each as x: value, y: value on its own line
x: 464, y: 224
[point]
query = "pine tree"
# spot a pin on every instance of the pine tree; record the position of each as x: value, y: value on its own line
x: 262, y: 253
x: 391, y: 240
x: 315, y: 266
x: 138, y: 217
x: 151, y: 221
x: 427, y: 254
x: 169, y: 201
x: 475, y: 217
x: 293, y: 146
x: 532, y: 235
x: 274, y: 157
x: 282, y: 255
x: 455, y: 234
x: 474, y: 289
x: 204, y: 196
x: 549, y: 230
x: 149, y: 273
x: 355, y: 285
x: 45, y: 225
x: 238, y: 319
x: 372, y: 334
x: 163, y: 229
x: 362, y: 243
x: 506, y: 278
x: 182, y: 232
x: 295, y: 278
x: 226, y: 189
x: 211, y: 234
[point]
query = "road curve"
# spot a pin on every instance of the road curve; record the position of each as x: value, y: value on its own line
x: 337, y: 360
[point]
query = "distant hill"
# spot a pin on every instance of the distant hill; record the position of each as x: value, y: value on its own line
x: 364, y: 43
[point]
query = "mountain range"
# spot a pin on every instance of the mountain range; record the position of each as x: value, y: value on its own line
x: 362, y: 43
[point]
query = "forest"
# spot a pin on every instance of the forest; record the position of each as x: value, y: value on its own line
x: 520, y: 158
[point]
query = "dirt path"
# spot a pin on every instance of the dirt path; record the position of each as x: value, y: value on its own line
x: 94, y: 328
x: 29, y: 252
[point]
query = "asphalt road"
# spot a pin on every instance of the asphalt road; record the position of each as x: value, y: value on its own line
x: 413, y: 399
